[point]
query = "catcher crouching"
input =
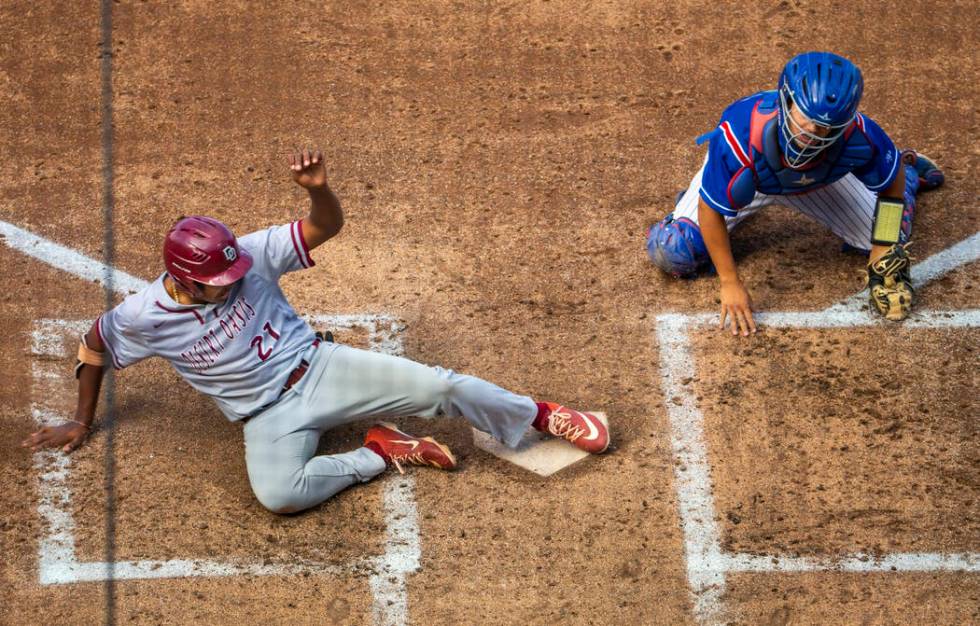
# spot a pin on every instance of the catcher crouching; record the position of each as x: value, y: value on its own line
x: 803, y: 145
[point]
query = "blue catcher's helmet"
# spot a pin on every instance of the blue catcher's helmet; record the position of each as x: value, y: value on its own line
x: 826, y: 89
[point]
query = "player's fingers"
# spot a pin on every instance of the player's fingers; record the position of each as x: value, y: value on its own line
x: 749, y: 323
x: 42, y: 435
x: 317, y: 156
x: 306, y: 157
x: 738, y: 320
x: 292, y: 161
x: 40, y: 438
x: 724, y: 316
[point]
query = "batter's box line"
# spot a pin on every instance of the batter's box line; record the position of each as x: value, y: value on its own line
x: 707, y: 563
x: 57, y: 560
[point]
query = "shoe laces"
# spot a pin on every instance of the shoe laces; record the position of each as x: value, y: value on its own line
x: 560, y: 424
x: 410, y: 459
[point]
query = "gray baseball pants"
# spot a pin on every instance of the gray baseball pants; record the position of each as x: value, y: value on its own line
x: 343, y: 385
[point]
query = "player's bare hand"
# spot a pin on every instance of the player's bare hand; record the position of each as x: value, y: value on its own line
x: 736, y: 307
x: 307, y: 168
x: 67, y: 436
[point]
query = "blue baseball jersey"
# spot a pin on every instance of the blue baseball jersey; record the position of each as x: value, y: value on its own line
x: 744, y: 157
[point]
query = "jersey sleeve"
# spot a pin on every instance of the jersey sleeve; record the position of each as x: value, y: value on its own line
x: 278, y: 250
x: 119, y: 331
x: 726, y: 164
x: 882, y: 169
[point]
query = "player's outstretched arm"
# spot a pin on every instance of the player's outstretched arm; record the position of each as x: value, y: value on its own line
x: 736, y: 304
x: 326, y: 217
x: 72, y: 434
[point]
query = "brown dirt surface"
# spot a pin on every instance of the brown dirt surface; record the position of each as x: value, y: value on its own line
x: 836, y: 598
x: 818, y: 440
x: 954, y: 291
x: 499, y: 165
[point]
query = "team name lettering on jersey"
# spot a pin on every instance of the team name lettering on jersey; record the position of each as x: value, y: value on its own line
x: 206, y: 350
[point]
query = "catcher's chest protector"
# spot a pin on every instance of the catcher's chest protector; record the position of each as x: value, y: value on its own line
x: 774, y: 177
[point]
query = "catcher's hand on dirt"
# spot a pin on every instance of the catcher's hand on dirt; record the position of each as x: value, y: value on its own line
x: 890, y: 283
x: 67, y: 436
x: 736, y: 306
x: 307, y: 168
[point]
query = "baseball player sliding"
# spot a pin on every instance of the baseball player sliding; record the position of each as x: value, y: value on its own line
x: 804, y: 146
x: 219, y: 317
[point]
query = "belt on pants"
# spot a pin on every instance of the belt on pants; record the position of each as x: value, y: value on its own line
x: 297, y: 374
x: 294, y: 376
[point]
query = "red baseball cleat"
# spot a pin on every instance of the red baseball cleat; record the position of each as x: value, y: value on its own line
x: 585, y: 430
x: 397, y: 447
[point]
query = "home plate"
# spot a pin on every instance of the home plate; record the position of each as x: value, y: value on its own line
x: 538, y: 452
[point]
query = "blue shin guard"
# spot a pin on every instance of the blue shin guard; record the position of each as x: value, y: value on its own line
x: 676, y: 247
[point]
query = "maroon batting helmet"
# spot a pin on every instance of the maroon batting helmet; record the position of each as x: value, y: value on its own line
x: 204, y: 250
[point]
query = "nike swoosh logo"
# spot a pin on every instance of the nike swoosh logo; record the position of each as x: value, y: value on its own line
x: 414, y: 444
x: 593, y: 430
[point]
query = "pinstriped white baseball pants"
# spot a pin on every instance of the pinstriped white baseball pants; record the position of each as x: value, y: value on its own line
x: 345, y: 385
x: 845, y: 206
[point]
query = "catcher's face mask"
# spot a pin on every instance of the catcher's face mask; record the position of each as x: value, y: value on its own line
x: 805, y: 138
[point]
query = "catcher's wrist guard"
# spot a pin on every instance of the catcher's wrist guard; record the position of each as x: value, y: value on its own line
x: 890, y: 283
x: 887, y: 228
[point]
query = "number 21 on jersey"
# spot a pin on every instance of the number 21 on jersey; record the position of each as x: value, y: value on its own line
x: 257, y: 342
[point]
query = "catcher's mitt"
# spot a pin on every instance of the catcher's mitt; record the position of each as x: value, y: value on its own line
x: 890, y: 283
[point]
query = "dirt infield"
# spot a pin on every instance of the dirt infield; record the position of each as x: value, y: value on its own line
x: 499, y: 165
x: 839, y: 442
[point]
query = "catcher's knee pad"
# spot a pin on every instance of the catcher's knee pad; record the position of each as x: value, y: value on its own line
x: 676, y: 247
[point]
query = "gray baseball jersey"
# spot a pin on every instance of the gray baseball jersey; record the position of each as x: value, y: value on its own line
x: 239, y: 352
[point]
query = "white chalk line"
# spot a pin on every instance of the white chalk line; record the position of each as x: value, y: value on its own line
x: 57, y: 559
x: 856, y: 563
x: 66, y: 259
x: 707, y: 563
x: 692, y: 472
x: 832, y: 318
x: 57, y: 562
